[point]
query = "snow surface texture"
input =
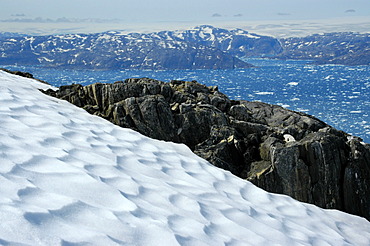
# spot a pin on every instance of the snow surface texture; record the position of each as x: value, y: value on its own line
x: 70, y: 178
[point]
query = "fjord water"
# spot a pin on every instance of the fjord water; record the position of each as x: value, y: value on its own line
x: 338, y: 95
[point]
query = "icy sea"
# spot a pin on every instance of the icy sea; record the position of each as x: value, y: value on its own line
x: 338, y: 95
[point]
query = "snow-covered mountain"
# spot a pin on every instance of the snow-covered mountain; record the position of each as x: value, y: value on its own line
x: 70, y: 178
x: 237, y: 42
x: 335, y: 48
x: 203, y: 47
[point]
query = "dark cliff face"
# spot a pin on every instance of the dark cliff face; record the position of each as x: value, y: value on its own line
x: 277, y: 149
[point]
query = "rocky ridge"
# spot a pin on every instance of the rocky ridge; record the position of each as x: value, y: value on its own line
x: 344, y: 48
x: 113, y: 50
x: 277, y: 149
x: 202, y: 47
x: 237, y: 42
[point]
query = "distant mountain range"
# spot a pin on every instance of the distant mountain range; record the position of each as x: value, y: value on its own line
x: 330, y: 48
x: 203, y: 47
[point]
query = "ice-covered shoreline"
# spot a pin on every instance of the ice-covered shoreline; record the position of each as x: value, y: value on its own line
x: 69, y: 177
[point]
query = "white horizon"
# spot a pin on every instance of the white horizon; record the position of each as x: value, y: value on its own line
x: 275, y: 28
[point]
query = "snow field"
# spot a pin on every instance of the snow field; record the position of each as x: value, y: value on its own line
x: 67, y: 177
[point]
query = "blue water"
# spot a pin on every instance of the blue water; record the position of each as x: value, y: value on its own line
x: 338, y: 95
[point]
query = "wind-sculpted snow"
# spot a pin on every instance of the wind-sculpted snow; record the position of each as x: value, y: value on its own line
x: 67, y: 177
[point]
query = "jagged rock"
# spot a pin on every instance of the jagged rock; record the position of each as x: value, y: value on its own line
x: 277, y: 149
x: 356, y: 179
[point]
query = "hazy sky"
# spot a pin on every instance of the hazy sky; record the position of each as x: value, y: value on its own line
x: 184, y: 10
x: 270, y: 17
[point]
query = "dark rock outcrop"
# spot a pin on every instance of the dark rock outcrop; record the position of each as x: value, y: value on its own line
x: 19, y: 73
x: 277, y: 149
x: 23, y: 74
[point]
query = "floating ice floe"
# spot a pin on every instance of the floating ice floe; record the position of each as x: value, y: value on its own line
x: 293, y: 83
x: 264, y: 93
